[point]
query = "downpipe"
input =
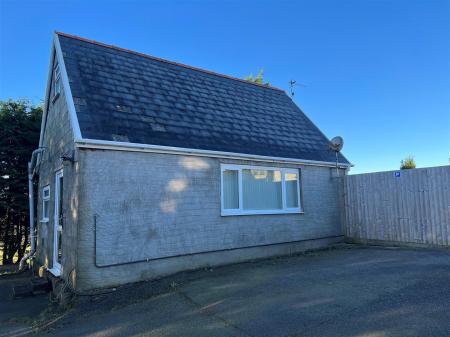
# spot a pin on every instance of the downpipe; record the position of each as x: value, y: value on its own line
x: 31, y: 167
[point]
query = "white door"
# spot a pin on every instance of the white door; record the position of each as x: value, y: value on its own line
x: 58, y: 223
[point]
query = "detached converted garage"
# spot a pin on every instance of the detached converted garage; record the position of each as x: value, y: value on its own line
x: 148, y: 167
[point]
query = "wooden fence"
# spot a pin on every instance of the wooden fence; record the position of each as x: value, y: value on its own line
x: 408, y: 206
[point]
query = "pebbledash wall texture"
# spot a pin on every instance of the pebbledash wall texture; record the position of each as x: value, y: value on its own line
x: 143, y: 215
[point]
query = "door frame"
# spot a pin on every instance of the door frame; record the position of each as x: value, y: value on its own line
x: 56, y: 266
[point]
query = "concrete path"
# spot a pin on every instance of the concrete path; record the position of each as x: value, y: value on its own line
x: 343, y: 292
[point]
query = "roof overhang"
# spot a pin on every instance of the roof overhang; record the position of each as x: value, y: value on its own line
x: 136, y: 147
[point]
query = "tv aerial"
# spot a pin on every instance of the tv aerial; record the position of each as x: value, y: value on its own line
x: 292, y: 85
x: 336, y: 144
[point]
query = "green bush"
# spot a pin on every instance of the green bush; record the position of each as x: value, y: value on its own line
x: 408, y: 163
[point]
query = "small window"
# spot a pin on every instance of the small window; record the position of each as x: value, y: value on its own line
x: 56, y: 81
x: 45, y: 203
x: 259, y: 190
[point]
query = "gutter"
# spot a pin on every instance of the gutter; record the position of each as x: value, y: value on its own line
x: 31, y: 167
x: 136, y: 147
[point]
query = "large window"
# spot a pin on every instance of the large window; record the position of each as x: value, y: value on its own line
x: 259, y: 190
x: 45, y: 203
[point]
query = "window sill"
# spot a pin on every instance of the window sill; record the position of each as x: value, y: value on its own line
x: 55, y: 271
x: 261, y: 212
x: 55, y: 97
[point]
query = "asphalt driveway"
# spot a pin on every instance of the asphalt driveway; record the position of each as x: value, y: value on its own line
x: 17, y: 316
x: 340, y: 292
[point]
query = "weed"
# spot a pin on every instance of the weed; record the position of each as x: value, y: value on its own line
x: 173, y: 286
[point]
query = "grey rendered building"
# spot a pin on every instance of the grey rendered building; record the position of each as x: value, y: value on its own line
x: 149, y: 167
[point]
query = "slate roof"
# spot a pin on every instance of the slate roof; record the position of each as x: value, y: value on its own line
x: 122, y: 95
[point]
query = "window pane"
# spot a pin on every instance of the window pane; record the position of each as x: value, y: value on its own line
x: 261, y: 189
x: 45, y: 209
x: 57, y: 80
x: 59, y: 238
x: 291, y: 180
x: 57, y: 86
x: 230, y: 189
x: 60, y: 201
x: 57, y: 72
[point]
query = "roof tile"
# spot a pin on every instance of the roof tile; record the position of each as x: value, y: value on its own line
x: 123, y: 95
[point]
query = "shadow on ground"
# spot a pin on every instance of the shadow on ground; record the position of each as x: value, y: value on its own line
x: 17, y: 316
x: 340, y: 292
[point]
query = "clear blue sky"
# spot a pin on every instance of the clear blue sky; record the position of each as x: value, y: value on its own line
x: 377, y: 72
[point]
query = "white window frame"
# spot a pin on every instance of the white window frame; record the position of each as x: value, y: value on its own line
x: 44, y: 199
x: 56, y: 80
x: 240, y: 210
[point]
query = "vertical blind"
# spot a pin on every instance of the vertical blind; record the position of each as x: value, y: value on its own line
x: 291, y: 182
x: 230, y: 189
x: 261, y: 189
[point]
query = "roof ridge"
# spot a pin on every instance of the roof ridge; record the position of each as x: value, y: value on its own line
x: 165, y: 61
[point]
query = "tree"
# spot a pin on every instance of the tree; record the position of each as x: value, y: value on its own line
x: 19, y: 136
x: 408, y: 163
x: 259, y: 79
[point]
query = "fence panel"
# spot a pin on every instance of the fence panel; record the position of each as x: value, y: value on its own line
x: 409, y: 206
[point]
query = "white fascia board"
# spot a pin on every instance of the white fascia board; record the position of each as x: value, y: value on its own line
x: 68, y: 93
x: 57, y: 52
x: 136, y: 147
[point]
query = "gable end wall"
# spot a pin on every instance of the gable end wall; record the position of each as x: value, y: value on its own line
x: 58, y: 140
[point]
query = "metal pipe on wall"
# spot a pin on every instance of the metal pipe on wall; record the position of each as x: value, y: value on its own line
x: 31, y: 166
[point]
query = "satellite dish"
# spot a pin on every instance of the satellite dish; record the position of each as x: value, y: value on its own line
x: 337, y: 143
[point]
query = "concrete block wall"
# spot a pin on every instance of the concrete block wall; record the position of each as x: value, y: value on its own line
x: 164, y: 210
